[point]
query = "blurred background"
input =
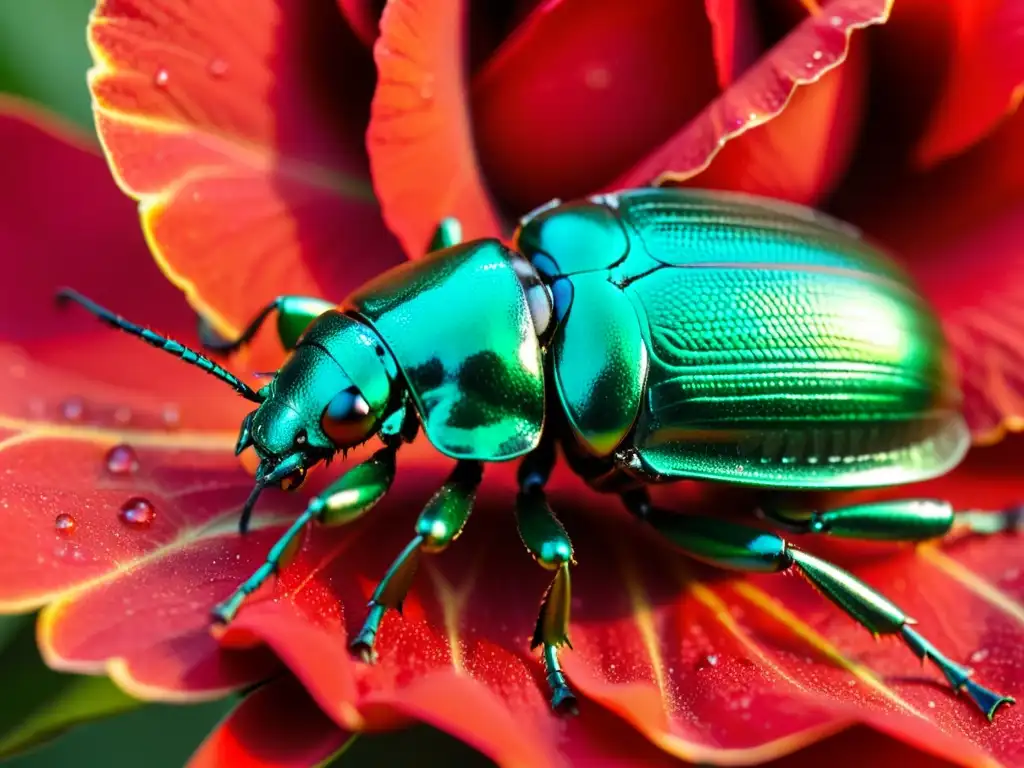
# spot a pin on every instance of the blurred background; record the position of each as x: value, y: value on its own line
x: 43, y: 58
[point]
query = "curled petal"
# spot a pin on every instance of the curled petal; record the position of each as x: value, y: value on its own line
x: 277, y: 726
x: 420, y: 138
x: 817, y: 46
x: 238, y: 128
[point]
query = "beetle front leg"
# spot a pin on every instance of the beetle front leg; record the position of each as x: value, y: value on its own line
x: 349, y: 497
x: 741, y: 548
x: 549, y: 544
x: 907, y: 520
x: 294, y: 315
x: 440, y: 523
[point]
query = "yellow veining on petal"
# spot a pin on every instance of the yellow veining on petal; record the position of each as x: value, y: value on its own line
x: 721, y: 613
x: 223, y: 524
x: 773, y: 608
x: 453, y: 600
x: 30, y: 431
x: 234, y: 148
x: 327, y: 559
x: 972, y: 581
x: 644, y: 620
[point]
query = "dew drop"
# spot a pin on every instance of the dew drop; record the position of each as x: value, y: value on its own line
x: 217, y: 67
x: 122, y: 415
x: 137, y: 512
x: 171, y: 416
x: 817, y: 55
x: 836, y: 21
x: 65, y: 524
x: 121, y: 460
x: 72, y: 409
x: 711, y: 660
x: 979, y: 656
x: 161, y: 78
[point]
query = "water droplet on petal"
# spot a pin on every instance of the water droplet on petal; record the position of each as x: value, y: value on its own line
x: 121, y: 460
x: 817, y: 55
x: 217, y: 67
x: 137, y: 512
x: 711, y: 660
x: 161, y: 78
x: 979, y: 656
x: 72, y: 409
x: 171, y: 416
x: 122, y: 415
x: 65, y: 524
x: 836, y: 21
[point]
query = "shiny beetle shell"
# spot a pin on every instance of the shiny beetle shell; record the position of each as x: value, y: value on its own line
x: 722, y: 336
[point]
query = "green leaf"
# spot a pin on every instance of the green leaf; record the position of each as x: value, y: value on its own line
x: 417, y: 745
x: 43, y: 55
x: 39, y: 704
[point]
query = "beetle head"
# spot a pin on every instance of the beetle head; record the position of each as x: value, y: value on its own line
x: 330, y: 395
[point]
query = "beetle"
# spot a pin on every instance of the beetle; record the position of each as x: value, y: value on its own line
x: 654, y: 335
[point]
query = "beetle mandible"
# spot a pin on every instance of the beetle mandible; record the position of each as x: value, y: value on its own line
x: 655, y: 335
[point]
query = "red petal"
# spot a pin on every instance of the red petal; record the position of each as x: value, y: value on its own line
x: 734, y: 35
x: 239, y: 130
x: 724, y: 670
x: 986, y: 80
x: 420, y: 139
x: 363, y: 17
x: 958, y: 228
x: 800, y: 158
x: 277, y: 726
x: 982, y: 304
x: 582, y: 90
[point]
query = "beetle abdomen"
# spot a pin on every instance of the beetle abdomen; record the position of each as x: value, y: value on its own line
x: 784, y: 351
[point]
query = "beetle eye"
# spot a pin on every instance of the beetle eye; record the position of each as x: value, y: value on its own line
x: 347, y: 419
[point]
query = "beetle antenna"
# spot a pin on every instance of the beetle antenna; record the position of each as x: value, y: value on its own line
x: 160, y: 342
x: 250, y: 503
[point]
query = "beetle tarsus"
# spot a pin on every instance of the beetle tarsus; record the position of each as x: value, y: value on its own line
x: 362, y: 646
x: 958, y: 677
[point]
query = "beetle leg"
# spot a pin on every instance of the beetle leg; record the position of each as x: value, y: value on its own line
x: 349, y: 497
x: 743, y: 548
x: 447, y: 233
x: 439, y: 524
x: 294, y: 315
x: 897, y: 520
x: 547, y: 541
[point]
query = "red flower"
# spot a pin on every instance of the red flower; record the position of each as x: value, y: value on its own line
x: 240, y: 133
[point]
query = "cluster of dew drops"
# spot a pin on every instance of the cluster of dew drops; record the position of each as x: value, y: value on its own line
x: 120, y: 461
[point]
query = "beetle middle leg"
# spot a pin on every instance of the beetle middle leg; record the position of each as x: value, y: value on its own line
x: 294, y: 315
x: 744, y: 548
x: 439, y: 524
x: 548, y: 542
x: 346, y: 499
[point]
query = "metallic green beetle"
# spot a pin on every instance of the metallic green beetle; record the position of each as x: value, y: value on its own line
x: 656, y: 335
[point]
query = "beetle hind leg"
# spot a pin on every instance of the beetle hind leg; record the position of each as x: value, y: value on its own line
x: 908, y: 520
x: 744, y: 548
x: 439, y: 524
x: 549, y: 544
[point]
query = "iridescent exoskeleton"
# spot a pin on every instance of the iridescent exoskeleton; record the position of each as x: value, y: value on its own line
x: 654, y: 335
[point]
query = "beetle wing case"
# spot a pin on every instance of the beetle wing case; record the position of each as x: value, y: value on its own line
x: 458, y: 323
